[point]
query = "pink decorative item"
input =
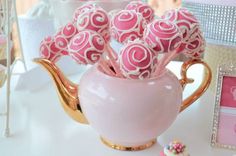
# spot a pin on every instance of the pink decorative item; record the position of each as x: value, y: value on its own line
x: 86, y: 47
x: 195, y: 44
x: 129, y: 104
x: 183, y: 18
x: 228, y: 94
x: 141, y: 109
x: 82, y: 9
x: 127, y: 25
x: 227, y: 126
x: 95, y: 19
x: 143, y: 8
x: 128, y: 114
x: 63, y: 37
x: 163, y: 36
x: 49, y: 50
x: 137, y: 61
x: 174, y: 148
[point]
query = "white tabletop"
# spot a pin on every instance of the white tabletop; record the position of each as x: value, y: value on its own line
x: 40, y: 127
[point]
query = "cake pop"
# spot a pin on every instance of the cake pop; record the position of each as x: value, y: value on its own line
x: 49, y: 50
x: 143, y: 8
x: 137, y: 61
x: 127, y: 25
x: 95, y: 19
x: 195, y: 45
x: 63, y: 37
x: 183, y: 18
x: 86, y: 47
x: 82, y: 9
x: 164, y: 37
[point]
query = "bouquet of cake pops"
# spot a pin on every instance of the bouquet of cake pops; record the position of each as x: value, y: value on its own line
x: 149, y: 43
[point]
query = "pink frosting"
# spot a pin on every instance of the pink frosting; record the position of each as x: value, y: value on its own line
x: 137, y: 61
x: 82, y: 9
x: 95, y: 19
x: 63, y: 37
x: 183, y: 18
x: 143, y: 8
x: 49, y: 50
x: 195, y: 45
x: 163, y: 36
x: 127, y: 25
x: 86, y: 47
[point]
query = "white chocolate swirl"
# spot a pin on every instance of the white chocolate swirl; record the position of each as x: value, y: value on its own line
x: 127, y: 25
x: 143, y: 8
x: 163, y: 36
x: 195, y: 45
x: 183, y: 18
x: 137, y: 61
x: 63, y: 37
x: 95, y: 19
x: 82, y: 9
x: 48, y: 50
x: 86, y: 47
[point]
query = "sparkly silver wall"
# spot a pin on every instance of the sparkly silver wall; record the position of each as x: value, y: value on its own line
x: 218, y: 22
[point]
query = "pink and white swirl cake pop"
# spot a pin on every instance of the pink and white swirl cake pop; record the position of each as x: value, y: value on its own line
x: 95, y: 19
x: 127, y: 25
x: 86, y: 47
x: 63, y: 37
x: 183, y: 18
x: 195, y: 45
x: 137, y: 61
x: 163, y: 36
x: 49, y: 50
x: 143, y: 8
x: 82, y: 9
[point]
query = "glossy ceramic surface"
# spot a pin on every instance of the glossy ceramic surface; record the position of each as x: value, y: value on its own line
x: 130, y: 112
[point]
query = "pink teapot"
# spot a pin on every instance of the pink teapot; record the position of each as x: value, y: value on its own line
x: 128, y: 114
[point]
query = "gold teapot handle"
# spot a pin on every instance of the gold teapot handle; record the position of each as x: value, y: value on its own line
x: 185, y: 80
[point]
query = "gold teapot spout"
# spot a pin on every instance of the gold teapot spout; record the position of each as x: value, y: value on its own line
x: 67, y: 90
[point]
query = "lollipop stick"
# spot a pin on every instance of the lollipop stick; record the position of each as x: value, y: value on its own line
x: 113, y: 53
x: 169, y: 58
x: 102, y: 64
x: 164, y: 61
x: 113, y: 57
x: 160, y: 66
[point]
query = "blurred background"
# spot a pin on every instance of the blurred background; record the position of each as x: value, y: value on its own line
x: 160, y: 6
